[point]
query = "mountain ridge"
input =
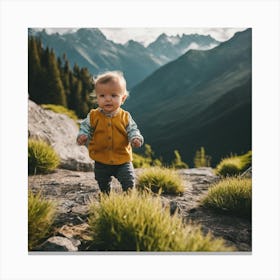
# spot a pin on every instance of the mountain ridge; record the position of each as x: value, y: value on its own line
x: 183, y: 90
x: 89, y: 47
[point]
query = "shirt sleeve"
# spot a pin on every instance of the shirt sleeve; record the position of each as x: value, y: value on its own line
x: 133, y: 131
x: 86, y: 128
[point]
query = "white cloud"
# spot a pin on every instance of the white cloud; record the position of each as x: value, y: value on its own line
x: 58, y: 30
x: 148, y: 35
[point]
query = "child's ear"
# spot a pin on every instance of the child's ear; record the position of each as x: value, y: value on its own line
x: 124, y: 98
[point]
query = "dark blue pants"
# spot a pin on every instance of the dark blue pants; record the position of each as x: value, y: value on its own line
x: 124, y: 173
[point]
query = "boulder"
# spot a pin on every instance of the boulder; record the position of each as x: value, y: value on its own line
x: 58, y: 244
x: 60, y: 132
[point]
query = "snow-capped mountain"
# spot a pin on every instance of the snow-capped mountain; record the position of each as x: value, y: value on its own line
x: 89, y: 47
x: 168, y: 48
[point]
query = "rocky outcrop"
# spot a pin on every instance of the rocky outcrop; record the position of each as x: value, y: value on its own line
x: 74, y: 191
x: 60, y: 132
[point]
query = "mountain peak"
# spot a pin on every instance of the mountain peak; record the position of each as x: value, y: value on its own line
x: 162, y: 36
x: 90, y: 32
x: 134, y: 44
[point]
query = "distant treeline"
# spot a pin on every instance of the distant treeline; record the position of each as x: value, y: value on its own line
x: 52, y: 81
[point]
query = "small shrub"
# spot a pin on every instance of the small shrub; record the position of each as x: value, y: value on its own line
x: 137, y: 222
x: 61, y: 110
x: 41, y: 157
x: 177, y: 163
x: 234, y: 165
x: 41, y: 215
x: 229, y: 167
x: 159, y: 179
x: 140, y: 161
x: 147, y: 160
x: 246, y: 161
x: 157, y: 162
x: 201, y: 159
x: 233, y: 195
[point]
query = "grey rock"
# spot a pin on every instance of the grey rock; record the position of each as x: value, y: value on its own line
x: 247, y: 173
x: 201, y: 172
x: 59, y: 243
x: 60, y: 132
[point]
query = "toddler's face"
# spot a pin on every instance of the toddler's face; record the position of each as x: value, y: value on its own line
x: 110, y: 96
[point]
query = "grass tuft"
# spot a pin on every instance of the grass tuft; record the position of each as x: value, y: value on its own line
x: 41, y: 215
x: 160, y: 180
x: 41, y: 157
x: 232, y: 195
x: 135, y: 221
x: 234, y: 165
x: 140, y: 161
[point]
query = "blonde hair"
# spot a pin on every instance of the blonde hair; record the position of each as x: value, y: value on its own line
x: 111, y: 76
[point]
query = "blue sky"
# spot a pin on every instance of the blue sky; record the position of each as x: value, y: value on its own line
x: 148, y: 35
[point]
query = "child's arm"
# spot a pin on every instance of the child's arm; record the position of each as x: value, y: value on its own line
x: 84, y: 132
x: 134, y: 134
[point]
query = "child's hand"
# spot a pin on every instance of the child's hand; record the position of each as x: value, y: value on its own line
x: 82, y: 139
x: 136, y: 143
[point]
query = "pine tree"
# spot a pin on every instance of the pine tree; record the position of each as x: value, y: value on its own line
x: 34, y: 69
x: 72, y: 94
x: 76, y: 71
x: 65, y: 77
x: 51, y: 80
x: 75, y: 100
x: 87, y: 88
x: 56, y: 93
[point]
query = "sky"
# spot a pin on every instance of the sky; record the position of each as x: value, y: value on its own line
x: 148, y: 35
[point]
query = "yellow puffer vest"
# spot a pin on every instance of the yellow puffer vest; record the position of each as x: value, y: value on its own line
x: 109, y: 143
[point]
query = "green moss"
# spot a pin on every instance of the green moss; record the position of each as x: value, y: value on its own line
x: 61, y: 110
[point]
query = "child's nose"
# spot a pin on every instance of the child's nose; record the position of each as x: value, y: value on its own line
x: 108, y: 97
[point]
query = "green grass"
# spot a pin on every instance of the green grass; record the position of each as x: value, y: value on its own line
x: 61, y: 110
x: 41, y: 157
x: 234, y: 165
x: 146, y: 160
x: 177, y: 163
x: 160, y: 180
x: 140, y: 161
x: 134, y: 221
x: 231, y: 195
x: 41, y: 215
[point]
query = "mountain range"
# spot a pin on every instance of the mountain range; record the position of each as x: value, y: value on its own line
x: 186, y: 91
x: 202, y: 98
x: 89, y: 47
